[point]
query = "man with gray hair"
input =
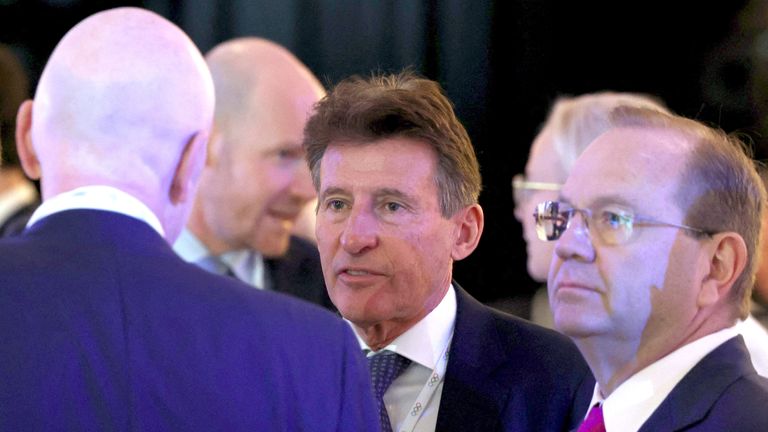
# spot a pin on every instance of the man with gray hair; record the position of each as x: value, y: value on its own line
x: 103, y: 326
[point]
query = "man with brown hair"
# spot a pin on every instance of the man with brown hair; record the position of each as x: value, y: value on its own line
x: 657, y: 229
x: 398, y: 184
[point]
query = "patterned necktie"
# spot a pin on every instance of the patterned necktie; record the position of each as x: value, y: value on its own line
x: 594, y: 421
x: 384, y: 368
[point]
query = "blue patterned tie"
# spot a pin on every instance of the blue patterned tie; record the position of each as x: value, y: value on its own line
x: 385, y: 367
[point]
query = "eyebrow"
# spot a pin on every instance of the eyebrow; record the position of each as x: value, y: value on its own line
x: 396, y: 193
x: 332, y: 191
x: 602, y: 201
x: 377, y: 195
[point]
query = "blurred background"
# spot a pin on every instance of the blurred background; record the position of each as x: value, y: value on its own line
x: 502, y: 63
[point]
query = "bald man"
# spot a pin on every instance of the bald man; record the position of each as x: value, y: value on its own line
x: 102, y: 326
x: 255, y: 182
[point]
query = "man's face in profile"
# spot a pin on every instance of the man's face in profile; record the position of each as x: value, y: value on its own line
x: 259, y: 182
x: 644, y: 289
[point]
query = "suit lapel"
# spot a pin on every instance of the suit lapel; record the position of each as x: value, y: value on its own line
x: 471, y: 396
x: 698, y: 391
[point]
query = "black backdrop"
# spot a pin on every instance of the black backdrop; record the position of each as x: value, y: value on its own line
x: 501, y: 62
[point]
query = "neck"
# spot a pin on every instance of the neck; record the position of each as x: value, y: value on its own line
x: 380, y: 334
x: 198, y: 226
x: 614, y: 361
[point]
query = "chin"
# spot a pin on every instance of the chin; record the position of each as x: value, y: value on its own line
x: 538, y: 272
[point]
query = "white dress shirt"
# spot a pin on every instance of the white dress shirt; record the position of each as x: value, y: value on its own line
x: 633, y: 402
x: 105, y: 198
x: 247, y: 265
x: 423, y: 344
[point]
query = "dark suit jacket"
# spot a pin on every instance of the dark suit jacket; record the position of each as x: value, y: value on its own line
x: 299, y: 273
x: 721, y: 393
x: 104, y: 327
x: 506, y: 374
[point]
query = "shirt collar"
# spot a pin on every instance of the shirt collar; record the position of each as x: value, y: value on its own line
x: 633, y: 402
x: 97, y: 197
x: 247, y: 265
x: 429, y: 338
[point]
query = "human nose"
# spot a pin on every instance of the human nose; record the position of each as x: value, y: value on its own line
x: 359, y: 233
x: 575, y: 242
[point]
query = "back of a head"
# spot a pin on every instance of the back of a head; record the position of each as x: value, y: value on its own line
x: 14, y: 88
x: 401, y: 105
x: 575, y: 122
x: 719, y: 189
x: 251, y: 73
x: 121, y: 95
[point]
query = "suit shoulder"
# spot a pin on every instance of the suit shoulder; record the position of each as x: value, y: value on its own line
x: 741, y: 406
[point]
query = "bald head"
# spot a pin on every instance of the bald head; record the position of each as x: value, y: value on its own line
x: 251, y: 73
x: 124, y: 95
x: 256, y: 181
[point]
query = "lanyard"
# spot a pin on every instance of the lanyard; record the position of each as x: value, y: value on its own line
x: 428, y: 391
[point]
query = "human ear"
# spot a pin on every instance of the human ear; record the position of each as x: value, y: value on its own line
x: 27, y: 155
x: 727, y: 258
x: 188, y: 170
x: 470, y: 221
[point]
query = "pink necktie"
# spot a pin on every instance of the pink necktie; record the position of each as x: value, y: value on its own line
x: 594, y: 421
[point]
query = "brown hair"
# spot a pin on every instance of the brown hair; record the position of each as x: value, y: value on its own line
x: 363, y: 111
x: 720, y: 189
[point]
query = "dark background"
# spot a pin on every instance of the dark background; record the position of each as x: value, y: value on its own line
x: 502, y: 63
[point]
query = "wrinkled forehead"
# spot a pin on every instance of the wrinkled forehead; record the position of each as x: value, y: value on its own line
x: 643, y: 166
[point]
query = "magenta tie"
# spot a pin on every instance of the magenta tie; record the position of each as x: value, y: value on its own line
x: 594, y: 421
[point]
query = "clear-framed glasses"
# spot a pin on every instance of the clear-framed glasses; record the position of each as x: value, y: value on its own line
x: 521, y: 188
x: 613, y: 224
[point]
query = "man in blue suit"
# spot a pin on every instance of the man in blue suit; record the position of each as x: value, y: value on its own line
x: 657, y: 229
x: 398, y: 183
x: 103, y: 327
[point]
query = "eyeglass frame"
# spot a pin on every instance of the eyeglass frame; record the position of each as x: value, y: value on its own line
x: 588, y: 214
x: 520, y: 184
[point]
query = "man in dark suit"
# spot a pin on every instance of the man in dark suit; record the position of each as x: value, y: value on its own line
x: 398, y: 183
x: 657, y: 229
x: 103, y: 326
x: 255, y: 182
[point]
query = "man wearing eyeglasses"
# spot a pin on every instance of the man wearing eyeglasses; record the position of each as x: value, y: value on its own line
x: 572, y: 124
x: 657, y: 229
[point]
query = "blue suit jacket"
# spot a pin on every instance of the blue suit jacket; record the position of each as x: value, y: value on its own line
x: 721, y: 393
x: 103, y: 327
x: 507, y: 374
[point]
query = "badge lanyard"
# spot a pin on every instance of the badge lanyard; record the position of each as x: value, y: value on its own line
x: 428, y: 391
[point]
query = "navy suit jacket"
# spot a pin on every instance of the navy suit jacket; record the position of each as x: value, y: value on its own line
x: 104, y: 327
x: 299, y: 273
x: 507, y: 374
x: 721, y: 393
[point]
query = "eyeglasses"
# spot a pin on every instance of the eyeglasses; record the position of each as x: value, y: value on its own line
x: 613, y: 223
x: 521, y: 188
